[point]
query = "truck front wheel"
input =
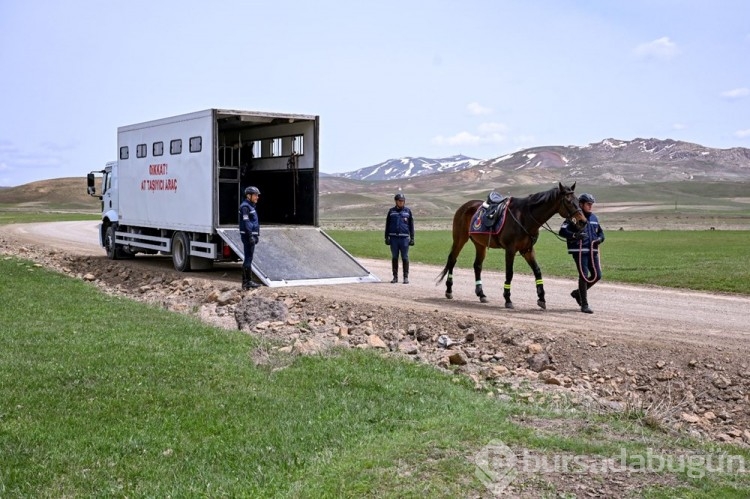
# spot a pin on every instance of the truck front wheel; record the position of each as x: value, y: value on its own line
x: 181, y: 252
x: 109, y: 244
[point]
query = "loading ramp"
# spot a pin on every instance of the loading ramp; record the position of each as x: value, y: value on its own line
x: 298, y: 256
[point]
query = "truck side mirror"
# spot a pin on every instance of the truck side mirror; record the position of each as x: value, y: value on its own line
x: 91, y: 184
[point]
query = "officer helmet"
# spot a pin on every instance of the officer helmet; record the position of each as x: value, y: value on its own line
x: 252, y: 190
x: 399, y: 197
x: 586, y: 198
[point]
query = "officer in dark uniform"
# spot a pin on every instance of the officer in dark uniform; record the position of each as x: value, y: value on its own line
x: 399, y: 235
x: 249, y: 232
x: 584, y: 246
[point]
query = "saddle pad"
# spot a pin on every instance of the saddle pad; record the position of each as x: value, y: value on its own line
x: 480, y: 224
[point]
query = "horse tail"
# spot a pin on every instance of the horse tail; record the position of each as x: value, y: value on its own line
x: 445, y: 270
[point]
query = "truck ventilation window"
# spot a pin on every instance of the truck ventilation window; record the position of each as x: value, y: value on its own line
x: 276, y: 147
x: 196, y: 144
x: 175, y: 146
x: 158, y: 148
x: 298, y: 145
x: 124, y: 152
x: 141, y: 150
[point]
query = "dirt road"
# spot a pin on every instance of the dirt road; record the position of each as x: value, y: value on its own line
x: 656, y: 316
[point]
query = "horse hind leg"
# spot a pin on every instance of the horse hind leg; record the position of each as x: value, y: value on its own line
x: 481, y: 253
x: 448, y: 272
x: 458, y: 244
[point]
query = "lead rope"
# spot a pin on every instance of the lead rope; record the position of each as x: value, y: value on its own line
x: 591, y: 256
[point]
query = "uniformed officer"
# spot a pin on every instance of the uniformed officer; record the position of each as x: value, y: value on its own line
x: 399, y: 235
x: 584, y: 246
x: 249, y: 232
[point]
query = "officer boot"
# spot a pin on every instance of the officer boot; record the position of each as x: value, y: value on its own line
x: 583, y: 291
x: 394, y: 267
x: 245, y: 278
x: 250, y: 283
x: 406, y: 271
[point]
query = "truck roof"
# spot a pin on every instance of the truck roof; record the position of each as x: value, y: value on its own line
x: 227, y: 117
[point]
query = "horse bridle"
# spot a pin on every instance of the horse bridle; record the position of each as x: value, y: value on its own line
x: 573, y: 211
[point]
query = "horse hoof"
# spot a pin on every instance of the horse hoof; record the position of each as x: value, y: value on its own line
x: 483, y: 299
x: 449, y: 296
x: 508, y: 304
x: 542, y: 304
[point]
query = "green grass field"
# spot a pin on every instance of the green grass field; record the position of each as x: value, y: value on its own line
x: 9, y: 216
x: 106, y: 397
x: 707, y: 260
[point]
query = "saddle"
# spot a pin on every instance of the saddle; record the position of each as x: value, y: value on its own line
x: 492, y: 205
x: 490, y: 216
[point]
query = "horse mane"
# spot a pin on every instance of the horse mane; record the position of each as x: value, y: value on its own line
x: 541, y: 197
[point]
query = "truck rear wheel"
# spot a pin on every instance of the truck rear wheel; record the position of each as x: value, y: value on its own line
x: 181, y: 252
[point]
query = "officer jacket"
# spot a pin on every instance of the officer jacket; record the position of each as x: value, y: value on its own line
x: 399, y: 223
x: 249, y: 219
x: 593, y: 232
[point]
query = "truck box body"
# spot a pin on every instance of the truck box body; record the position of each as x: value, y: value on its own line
x: 178, y: 182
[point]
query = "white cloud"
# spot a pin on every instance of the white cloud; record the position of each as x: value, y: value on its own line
x: 488, y: 133
x: 736, y: 93
x: 460, y: 139
x: 743, y: 134
x: 679, y: 126
x: 661, y: 48
x: 477, y: 109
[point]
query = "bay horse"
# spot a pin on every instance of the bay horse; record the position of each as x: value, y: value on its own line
x: 519, y: 233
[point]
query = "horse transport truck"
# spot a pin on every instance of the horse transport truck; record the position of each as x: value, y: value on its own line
x: 177, y: 184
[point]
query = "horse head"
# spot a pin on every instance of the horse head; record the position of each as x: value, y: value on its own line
x: 569, y: 207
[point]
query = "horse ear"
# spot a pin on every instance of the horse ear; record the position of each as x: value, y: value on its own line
x: 573, y: 187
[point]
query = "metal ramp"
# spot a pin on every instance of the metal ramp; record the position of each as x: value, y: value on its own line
x: 298, y: 256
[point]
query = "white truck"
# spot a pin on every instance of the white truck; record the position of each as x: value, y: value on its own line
x: 176, y: 187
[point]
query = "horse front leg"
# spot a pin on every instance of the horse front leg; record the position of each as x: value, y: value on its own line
x: 530, y: 258
x: 478, y: 260
x: 510, y: 256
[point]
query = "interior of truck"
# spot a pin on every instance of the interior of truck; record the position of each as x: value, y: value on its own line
x: 269, y: 153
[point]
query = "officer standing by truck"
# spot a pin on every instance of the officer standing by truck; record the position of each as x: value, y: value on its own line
x: 399, y: 235
x: 249, y: 232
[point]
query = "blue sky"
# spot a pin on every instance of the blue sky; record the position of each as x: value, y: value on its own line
x: 388, y: 78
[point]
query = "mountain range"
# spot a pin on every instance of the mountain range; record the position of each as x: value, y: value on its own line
x: 393, y: 169
x: 609, y: 162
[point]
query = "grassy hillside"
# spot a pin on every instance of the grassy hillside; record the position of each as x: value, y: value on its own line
x: 55, y: 194
x: 434, y: 199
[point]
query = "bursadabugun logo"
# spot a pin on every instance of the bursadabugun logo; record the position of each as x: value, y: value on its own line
x: 496, y: 466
